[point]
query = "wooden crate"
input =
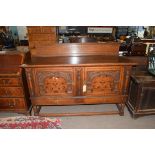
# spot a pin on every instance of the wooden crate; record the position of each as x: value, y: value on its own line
x: 141, y: 99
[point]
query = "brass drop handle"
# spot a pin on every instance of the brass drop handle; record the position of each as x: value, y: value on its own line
x: 12, y: 105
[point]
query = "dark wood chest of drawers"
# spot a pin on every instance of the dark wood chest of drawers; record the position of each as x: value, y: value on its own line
x: 141, y: 100
x: 14, y: 95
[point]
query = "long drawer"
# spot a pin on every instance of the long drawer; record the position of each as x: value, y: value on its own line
x: 12, y: 103
x: 11, y: 92
x: 41, y: 29
x: 41, y: 37
x: 10, y: 81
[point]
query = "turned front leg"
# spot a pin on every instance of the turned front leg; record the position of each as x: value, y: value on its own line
x: 36, y: 110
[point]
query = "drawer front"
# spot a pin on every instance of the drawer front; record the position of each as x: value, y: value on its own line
x: 10, y: 82
x: 147, y: 100
x: 11, y: 92
x: 12, y: 103
x: 33, y: 44
x: 100, y: 81
x: 48, y: 29
x: 42, y: 37
x: 41, y: 29
x: 133, y: 93
x: 34, y: 29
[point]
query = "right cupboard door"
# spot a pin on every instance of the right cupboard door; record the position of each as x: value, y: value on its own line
x: 103, y: 81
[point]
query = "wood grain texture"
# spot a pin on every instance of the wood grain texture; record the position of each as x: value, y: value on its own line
x: 76, y: 49
x: 96, y: 60
x: 78, y: 114
x: 43, y: 42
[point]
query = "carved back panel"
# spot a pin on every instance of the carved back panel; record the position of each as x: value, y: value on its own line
x: 76, y: 49
x: 43, y: 42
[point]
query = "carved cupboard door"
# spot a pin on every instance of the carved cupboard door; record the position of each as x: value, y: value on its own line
x: 54, y: 81
x: 103, y: 81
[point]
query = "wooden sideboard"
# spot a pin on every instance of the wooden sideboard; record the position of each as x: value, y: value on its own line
x: 14, y: 94
x: 76, y: 73
x: 74, y: 80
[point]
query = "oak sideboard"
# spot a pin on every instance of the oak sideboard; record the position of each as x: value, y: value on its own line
x: 75, y: 73
x: 75, y: 80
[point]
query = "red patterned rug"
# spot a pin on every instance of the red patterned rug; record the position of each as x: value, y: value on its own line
x: 29, y: 122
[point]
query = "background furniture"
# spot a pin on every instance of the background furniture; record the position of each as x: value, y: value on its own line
x: 14, y: 95
x: 137, y: 49
x: 141, y: 100
x: 82, y: 39
x: 41, y: 35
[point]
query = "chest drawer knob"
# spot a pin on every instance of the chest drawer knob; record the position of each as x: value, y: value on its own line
x: 12, y: 104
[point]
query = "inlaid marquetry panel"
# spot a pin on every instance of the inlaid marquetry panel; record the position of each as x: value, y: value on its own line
x: 55, y: 82
x: 103, y: 81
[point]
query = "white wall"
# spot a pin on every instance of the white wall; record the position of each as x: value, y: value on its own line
x: 22, y: 32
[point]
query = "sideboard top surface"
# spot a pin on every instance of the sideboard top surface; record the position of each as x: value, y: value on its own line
x: 96, y: 60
